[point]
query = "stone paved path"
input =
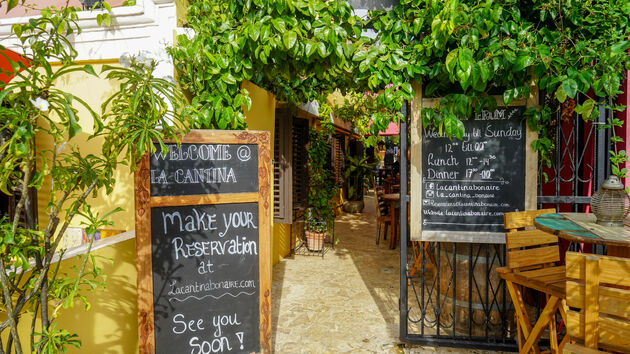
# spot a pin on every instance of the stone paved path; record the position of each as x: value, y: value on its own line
x: 344, y: 302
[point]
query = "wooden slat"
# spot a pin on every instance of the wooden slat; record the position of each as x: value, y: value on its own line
x: 299, y: 140
x: 146, y: 337
x: 543, y: 320
x: 613, y: 270
x: 613, y: 332
x: 204, y: 199
x: 527, y: 238
x: 574, y: 348
x: 546, y: 275
x: 202, y: 136
x: 264, y: 241
x: 591, y: 316
x: 555, y: 289
x: 519, y: 219
x: 534, y: 256
x: 612, y: 301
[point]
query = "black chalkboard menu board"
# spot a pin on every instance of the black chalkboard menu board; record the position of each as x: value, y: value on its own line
x: 204, y: 169
x: 203, y: 245
x: 205, y: 278
x: 468, y: 184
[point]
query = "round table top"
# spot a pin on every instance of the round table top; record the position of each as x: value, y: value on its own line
x: 582, y: 227
x: 391, y: 196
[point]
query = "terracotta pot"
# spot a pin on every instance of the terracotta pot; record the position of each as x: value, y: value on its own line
x: 314, y: 240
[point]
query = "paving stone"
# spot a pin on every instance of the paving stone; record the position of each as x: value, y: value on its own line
x: 345, y: 302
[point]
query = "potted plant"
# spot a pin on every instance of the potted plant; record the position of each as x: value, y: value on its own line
x: 322, y: 191
x: 358, y: 173
x: 316, y: 229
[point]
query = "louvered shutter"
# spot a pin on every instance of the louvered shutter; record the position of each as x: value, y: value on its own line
x: 300, y: 163
x: 338, y: 156
x: 282, y: 179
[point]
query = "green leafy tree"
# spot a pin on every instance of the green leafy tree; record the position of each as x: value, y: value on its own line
x: 143, y: 110
x: 468, y: 50
x: 322, y: 190
x: 298, y: 50
x: 359, y: 172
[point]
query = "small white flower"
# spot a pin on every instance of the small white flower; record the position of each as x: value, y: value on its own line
x: 144, y: 58
x: 125, y: 60
x: 40, y: 104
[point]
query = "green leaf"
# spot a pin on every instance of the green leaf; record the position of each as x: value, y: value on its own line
x: 508, y: 96
x: 619, y: 47
x: 11, y: 4
x: 279, y: 25
x: 611, y: 83
x: 586, y: 109
x: 254, y: 32
x: 451, y: 60
x: 359, y: 55
x: 465, y: 59
x: 90, y: 70
x: 453, y: 126
x: 486, y: 71
x: 570, y: 87
x: 289, y: 39
x: 522, y: 61
x: 560, y: 94
x: 407, y: 88
x: 310, y: 48
x: 321, y: 48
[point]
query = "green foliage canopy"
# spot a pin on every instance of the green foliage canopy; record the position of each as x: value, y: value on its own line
x: 298, y: 50
x: 465, y: 51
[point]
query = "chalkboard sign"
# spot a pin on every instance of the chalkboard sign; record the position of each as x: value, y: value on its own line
x: 203, y: 245
x: 468, y: 184
x: 204, y: 169
x: 205, y: 278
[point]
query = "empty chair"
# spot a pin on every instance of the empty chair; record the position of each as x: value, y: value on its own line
x: 532, y: 257
x: 598, y: 295
x: 383, y: 215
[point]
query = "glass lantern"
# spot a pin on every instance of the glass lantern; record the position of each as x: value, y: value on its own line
x: 610, y: 203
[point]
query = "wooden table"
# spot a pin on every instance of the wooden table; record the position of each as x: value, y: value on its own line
x: 581, y: 227
x: 392, y: 199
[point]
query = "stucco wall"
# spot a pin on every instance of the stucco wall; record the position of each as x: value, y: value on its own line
x: 262, y: 116
x: 111, y: 325
x: 94, y: 91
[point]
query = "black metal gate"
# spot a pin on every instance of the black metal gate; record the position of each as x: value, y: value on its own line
x: 455, y: 298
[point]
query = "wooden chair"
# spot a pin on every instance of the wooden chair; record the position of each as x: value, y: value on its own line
x: 532, y: 256
x: 383, y: 216
x: 417, y: 261
x: 598, y: 295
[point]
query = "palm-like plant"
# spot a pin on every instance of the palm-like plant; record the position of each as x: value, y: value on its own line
x: 358, y: 172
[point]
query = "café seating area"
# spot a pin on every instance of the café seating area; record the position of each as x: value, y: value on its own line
x: 387, y: 193
x: 586, y: 296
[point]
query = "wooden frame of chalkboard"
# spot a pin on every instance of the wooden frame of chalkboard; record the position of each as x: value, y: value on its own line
x: 451, y: 200
x: 230, y: 194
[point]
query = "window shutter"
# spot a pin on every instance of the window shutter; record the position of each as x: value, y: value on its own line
x: 300, y: 163
x: 338, y: 159
x: 282, y: 179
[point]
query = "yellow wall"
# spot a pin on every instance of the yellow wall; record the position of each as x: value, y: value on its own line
x: 111, y: 325
x: 94, y: 91
x: 262, y: 116
x: 180, y: 7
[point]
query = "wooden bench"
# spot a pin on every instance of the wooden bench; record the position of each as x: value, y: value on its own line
x: 532, y: 257
x: 598, y: 295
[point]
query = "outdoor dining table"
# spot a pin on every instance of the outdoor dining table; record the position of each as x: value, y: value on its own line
x: 582, y: 227
x: 393, y: 199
